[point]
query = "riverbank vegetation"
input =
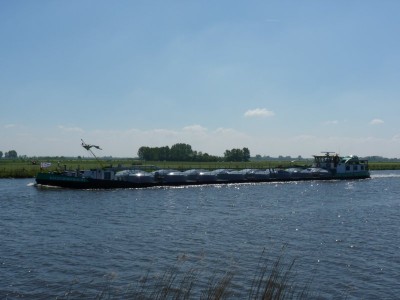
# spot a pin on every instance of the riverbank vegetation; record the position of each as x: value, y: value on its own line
x: 29, y: 167
x: 179, y: 156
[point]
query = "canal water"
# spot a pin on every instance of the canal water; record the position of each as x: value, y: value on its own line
x: 343, y: 237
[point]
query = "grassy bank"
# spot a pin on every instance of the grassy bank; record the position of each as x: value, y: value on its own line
x: 23, y: 168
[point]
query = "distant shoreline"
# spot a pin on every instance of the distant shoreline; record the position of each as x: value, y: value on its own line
x: 23, y: 168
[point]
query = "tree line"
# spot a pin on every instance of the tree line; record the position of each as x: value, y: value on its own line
x: 184, y: 152
x: 9, y: 154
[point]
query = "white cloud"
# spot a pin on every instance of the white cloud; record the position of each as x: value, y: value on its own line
x: 126, y: 142
x: 259, y: 112
x: 304, y: 137
x: 162, y: 132
x: 376, y: 122
x: 227, y: 131
x: 334, y: 122
x: 70, y: 129
x: 396, y: 138
x: 195, y: 128
x: 9, y: 125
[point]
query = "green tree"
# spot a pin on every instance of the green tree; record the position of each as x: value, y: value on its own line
x: 237, y: 155
x: 11, y: 154
x: 246, y: 154
x: 164, y: 153
x: 178, y: 152
x: 233, y: 155
x: 1, y: 154
x: 181, y: 152
x: 143, y: 152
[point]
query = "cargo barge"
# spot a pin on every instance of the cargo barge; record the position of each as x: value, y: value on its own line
x: 329, y: 166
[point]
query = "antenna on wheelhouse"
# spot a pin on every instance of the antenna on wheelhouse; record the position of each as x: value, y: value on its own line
x: 327, y: 153
x: 89, y: 148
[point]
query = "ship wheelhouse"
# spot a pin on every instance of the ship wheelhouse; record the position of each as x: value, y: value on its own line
x: 354, y: 164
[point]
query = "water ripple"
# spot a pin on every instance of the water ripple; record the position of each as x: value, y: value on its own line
x: 343, y: 235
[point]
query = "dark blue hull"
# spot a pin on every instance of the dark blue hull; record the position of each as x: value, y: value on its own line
x: 64, y: 181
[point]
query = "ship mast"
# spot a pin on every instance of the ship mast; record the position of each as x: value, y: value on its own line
x: 328, y: 153
x: 89, y: 148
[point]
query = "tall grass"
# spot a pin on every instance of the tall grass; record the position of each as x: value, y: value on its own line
x: 276, y: 282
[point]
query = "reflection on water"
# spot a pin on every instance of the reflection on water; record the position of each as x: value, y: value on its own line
x: 343, y: 234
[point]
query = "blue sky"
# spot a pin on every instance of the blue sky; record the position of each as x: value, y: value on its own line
x: 279, y: 77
